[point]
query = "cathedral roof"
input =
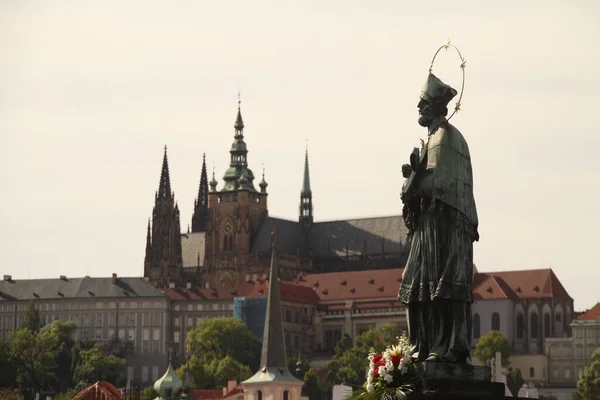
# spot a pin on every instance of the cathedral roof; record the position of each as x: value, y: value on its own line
x: 375, y: 235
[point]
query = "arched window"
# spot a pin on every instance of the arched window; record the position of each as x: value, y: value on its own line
x: 533, y: 325
x: 495, y: 321
x: 286, y: 395
x: 259, y: 395
x: 547, y: 325
x: 520, y: 326
x: 476, y: 326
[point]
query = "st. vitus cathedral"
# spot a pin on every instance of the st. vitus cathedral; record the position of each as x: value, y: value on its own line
x: 230, y: 238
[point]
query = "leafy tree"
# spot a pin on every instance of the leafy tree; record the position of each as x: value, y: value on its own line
x: 63, y: 333
x: 217, y: 338
x: 32, y: 318
x: 9, y: 394
x: 35, y: 355
x: 221, y: 349
x: 7, y: 370
x: 148, y: 394
x: 489, y: 344
x: 94, y: 366
x: 514, y: 381
x: 349, y: 364
x: 588, y: 386
x: 311, y: 386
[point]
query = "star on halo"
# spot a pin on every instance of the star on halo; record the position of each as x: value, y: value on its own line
x: 457, y: 107
x: 463, y: 65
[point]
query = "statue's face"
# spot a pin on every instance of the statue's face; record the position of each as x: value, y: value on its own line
x: 426, y: 112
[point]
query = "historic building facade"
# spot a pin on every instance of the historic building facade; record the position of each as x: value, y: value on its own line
x: 129, y: 313
x: 230, y: 238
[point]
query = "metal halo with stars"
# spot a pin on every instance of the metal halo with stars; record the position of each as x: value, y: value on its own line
x: 463, y: 65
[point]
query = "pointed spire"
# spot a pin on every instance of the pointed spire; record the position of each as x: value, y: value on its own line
x: 306, y: 207
x: 213, y: 182
x: 263, y: 184
x: 164, y: 188
x: 273, y: 346
x: 239, y: 122
x: 199, y: 218
x: 306, y: 183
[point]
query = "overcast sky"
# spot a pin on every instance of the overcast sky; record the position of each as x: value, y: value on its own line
x: 91, y: 91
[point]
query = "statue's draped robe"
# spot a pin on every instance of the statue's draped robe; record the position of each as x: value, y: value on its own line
x: 437, y: 280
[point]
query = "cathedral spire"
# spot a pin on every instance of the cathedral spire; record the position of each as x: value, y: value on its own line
x: 306, y: 207
x: 201, y: 204
x: 164, y: 188
x: 238, y: 176
x: 148, y: 257
x: 239, y: 122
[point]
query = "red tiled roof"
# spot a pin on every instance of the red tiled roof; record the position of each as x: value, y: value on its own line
x: 206, y: 394
x: 100, y: 390
x: 289, y: 291
x: 338, y: 286
x: 534, y: 283
x: 180, y: 294
x: 592, y: 314
x: 490, y: 287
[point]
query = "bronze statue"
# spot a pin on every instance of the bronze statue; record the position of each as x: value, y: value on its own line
x: 440, y: 211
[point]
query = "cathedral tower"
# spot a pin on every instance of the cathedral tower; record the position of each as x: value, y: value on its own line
x: 235, y: 214
x: 163, y: 263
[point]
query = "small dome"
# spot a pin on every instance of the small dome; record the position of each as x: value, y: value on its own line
x: 169, y: 385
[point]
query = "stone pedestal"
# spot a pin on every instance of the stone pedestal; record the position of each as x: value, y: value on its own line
x: 439, y: 381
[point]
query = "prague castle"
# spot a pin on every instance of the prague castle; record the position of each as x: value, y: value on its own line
x: 229, y: 241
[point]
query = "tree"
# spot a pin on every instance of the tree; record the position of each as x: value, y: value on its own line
x: 588, y: 386
x: 32, y: 318
x: 217, y: 338
x: 489, y: 344
x: 94, y: 365
x: 35, y: 355
x: 514, y: 381
x: 221, y: 349
x: 311, y: 386
x: 7, y: 370
x: 148, y: 394
x: 349, y: 364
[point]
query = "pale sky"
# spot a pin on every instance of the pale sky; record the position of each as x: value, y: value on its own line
x: 91, y: 91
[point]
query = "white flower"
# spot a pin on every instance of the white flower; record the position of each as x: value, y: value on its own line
x: 388, y: 378
x: 370, y: 387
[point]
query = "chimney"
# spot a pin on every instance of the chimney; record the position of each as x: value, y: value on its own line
x: 114, y: 278
x: 63, y: 278
x: 231, y: 385
x: 7, y: 278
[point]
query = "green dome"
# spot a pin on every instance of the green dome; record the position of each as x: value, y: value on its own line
x: 169, y: 385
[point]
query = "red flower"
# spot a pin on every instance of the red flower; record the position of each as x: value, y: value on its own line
x: 377, y: 360
x: 376, y: 373
x: 396, y: 360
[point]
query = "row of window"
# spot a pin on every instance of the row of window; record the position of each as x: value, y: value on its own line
x: 205, y: 307
x: 83, y: 305
x: 520, y: 328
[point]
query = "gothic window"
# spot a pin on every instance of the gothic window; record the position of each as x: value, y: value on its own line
x: 533, y: 325
x: 495, y: 321
x: 286, y: 395
x: 520, y: 326
x: 259, y: 395
x: 547, y: 325
x: 476, y: 326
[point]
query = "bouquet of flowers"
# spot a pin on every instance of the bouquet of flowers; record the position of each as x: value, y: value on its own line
x: 391, y: 374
